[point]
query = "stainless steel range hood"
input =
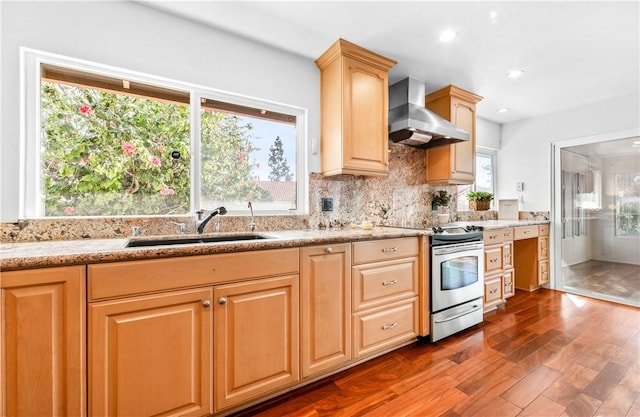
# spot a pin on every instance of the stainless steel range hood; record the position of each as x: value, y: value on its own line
x: 411, y: 123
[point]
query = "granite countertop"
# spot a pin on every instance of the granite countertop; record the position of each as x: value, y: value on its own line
x: 14, y: 256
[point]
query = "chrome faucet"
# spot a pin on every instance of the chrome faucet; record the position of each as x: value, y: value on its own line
x: 252, y: 223
x: 201, y: 223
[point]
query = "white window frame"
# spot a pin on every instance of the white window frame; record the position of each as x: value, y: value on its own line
x: 493, y: 154
x: 31, y: 61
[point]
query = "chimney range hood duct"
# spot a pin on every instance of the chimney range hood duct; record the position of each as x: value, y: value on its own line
x: 411, y: 123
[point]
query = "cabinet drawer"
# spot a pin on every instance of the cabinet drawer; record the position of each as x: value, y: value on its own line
x: 543, y: 272
x: 492, y: 258
x: 385, y: 327
x: 525, y: 232
x: 543, y: 247
x: 384, y: 282
x: 543, y: 230
x: 382, y: 250
x: 492, y: 237
x: 118, y: 279
x: 492, y: 290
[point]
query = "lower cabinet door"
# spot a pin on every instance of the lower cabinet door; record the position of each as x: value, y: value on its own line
x: 151, y: 355
x: 325, y: 307
x: 256, y: 342
x: 42, y: 342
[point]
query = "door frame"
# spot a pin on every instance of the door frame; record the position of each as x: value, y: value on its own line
x: 556, y: 281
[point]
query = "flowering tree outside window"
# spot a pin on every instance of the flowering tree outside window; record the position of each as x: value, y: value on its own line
x: 109, y: 154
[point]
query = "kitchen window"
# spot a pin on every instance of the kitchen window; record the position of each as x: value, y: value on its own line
x: 485, y: 177
x: 107, y: 142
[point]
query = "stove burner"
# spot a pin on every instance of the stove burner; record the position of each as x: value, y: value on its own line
x: 455, y: 234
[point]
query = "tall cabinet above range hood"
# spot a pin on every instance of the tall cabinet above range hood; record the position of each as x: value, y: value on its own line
x: 411, y: 123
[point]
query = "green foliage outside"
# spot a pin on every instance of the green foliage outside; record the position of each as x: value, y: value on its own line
x: 106, y: 154
x: 280, y: 170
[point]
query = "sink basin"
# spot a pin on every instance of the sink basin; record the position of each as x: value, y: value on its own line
x: 193, y: 239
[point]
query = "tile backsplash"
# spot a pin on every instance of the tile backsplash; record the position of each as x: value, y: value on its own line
x: 400, y: 199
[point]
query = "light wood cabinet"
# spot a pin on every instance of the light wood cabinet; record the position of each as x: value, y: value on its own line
x: 532, y: 256
x: 151, y: 355
x: 453, y: 164
x: 325, y: 307
x: 42, y: 344
x: 256, y: 338
x: 385, y: 289
x: 354, y: 110
x: 498, y: 267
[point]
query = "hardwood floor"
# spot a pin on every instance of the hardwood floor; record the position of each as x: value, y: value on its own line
x: 545, y: 353
x: 607, y: 278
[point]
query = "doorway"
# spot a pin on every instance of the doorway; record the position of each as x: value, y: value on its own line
x: 596, y: 217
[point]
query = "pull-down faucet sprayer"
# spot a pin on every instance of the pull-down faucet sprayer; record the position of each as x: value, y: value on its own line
x: 201, y: 223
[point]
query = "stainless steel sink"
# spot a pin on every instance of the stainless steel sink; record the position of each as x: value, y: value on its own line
x: 136, y: 243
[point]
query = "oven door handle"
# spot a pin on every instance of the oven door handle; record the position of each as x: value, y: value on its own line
x: 450, y: 250
x: 473, y: 308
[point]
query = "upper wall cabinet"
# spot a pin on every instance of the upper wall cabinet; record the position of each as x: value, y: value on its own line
x: 453, y: 164
x: 354, y: 106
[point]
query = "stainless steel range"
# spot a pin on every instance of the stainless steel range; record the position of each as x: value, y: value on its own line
x: 457, y: 283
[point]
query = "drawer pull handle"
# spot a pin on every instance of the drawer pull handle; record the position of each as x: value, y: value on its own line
x: 493, y: 260
x: 507, y: 256
x: 493, y: 291
x: 390, y: 326
x: 493, y: 237
x: 387, y: 250
x: 206, y: 303
x: 392, y: 282
x: 222, y: 300
x: 329, y: 249
x: 526, y: 232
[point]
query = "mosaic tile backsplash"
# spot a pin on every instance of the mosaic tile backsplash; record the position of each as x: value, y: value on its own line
x: 400, y: 199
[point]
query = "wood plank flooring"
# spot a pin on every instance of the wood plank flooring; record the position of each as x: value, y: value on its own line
x: 545, y: 353
x: 607, y: 278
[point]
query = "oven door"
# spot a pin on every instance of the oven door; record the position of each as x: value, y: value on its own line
x: 456, y: 274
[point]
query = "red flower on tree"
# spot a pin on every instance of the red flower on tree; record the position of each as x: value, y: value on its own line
x: 69, y: 211
x: 155, y: 161
x: 128, y: 148
x: 85, y: 109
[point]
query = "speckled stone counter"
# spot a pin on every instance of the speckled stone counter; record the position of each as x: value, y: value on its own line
x: 499, y: 224
x: 77, y: 252
x: 15, y: 256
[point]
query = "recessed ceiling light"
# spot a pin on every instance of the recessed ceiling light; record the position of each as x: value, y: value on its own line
x: 515, y: 73
x: 503, y: 110
x: 448, y: 35
x: 493, y: 16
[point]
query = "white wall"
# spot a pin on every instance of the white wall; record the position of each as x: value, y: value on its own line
x: 525, y: 148
x: 488, y: 134
x: 134, y: 37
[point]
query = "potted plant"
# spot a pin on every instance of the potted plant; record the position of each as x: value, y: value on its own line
x: 479, y: 200
x: 440, y: 199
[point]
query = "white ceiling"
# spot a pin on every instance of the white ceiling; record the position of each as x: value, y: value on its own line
x: 573, y: 52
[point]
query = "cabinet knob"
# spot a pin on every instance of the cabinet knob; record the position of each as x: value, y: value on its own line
x: 329, y: 249
x: 222, y: 300
x: 206, y: 303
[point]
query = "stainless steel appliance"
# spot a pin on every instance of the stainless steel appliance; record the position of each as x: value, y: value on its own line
x: 457, y: 283
x: 411, y: 123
